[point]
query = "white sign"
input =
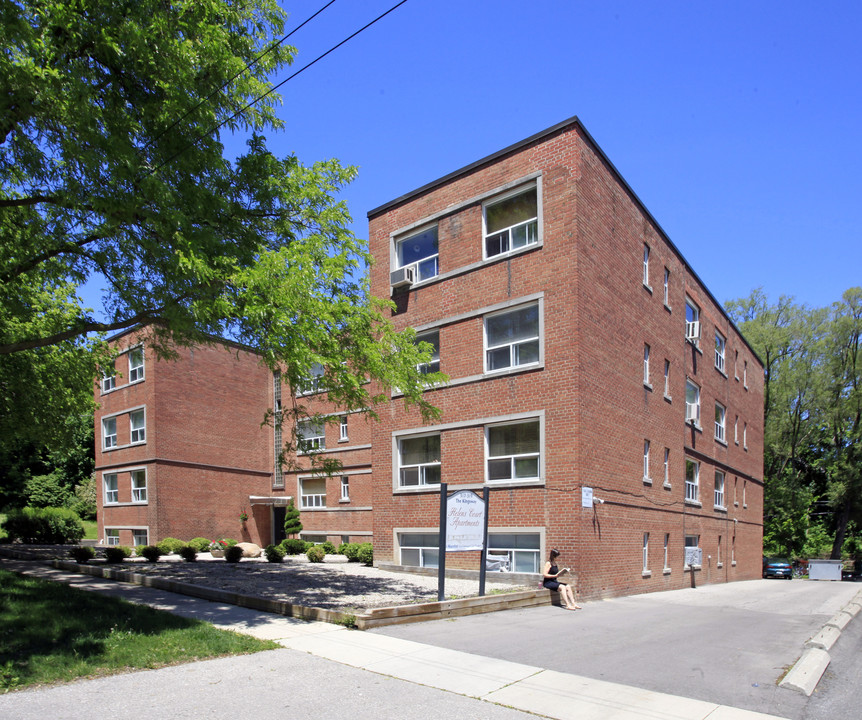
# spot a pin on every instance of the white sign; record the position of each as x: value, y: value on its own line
x: 465, y: 521
x: 586, y: 497
x: 694, y: 556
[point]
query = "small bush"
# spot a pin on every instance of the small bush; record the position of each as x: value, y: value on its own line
x: 308, y: 545
x: 365, y: 555
x: 169, y: 545
x: 233, y: 554
x: 341, y: 548
x: 139, y: 550
x: 200, y: 544
x: 44, y: 526
x: 315, y: 554
x: 328, y: 547
x: 151, y: 552
x: 293, y: 546
x: 274, y: 553
x: 350, y: 551
x: 189, y: 553
x: 117, y: 553
x: 82, y: 553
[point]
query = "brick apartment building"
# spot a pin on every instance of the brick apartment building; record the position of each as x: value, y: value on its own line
x: 584, y: 356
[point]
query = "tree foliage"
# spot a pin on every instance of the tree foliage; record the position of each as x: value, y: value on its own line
x: 812, y: 410
x: 292, y: 524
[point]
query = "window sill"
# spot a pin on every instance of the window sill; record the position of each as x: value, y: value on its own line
x: 733, y: 563
x: 719, y: 565
x: 512, y: 369
x: 343, y: 440
x: 666, y: 486
x: 721, y: 442
x: 646, y: 574
x: 693, y: 423
x: 668, y: 398
x: 314, y: 509
x: 666, y: 571
x: 744, y: 506
x: 695, y: 343
x: 647, y: 481
x: 735, y: 504
x: 694, y: 503
x: 721, y: 372
x: 689, y: 568
x: 415, y: 489
x: 647, y: 288
x: 648, y: 386
x: 667, y: 307
x: 719, y: 508
x: 343, y: 501
x: 126, y: 504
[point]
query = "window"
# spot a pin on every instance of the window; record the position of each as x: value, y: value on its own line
x: 420, y: 549
x: 719, y: 489
x: 666, y: 545
x: 733, y: 549
x: 513, y: 451
x: 419, y: 251
x: 646, y: 265
x: 692, y: 322
x: 519, y: 551
x: 433, y: 338
x: 693, y: 558
x: 736, y: 364
x: 138, y: 425
x: 342, y: 428
x: 692, y: 403
x: 646, y: 364
x: 109, y: 381
x: 667, y: 467
x: 744, y: 486
x: 667, y: 378
x: 511, y: 223
x: 419, y: 461
x: 139, y: 537
x: 646, y: 462
x: 311, y: 435
x: 646, y: 553
x: 692, y: 474
x: 312, y: 493
x: 745, y: 436
x: 667, y: 287
x: 745, y: 374
x: 316, y: 539
x: 313, y: 382
x: 112, y: 492
x: 136, y: 364
x: 278, y: 440
x: 718, y: 561
x: 345, y: 487
x: 720, y: 414
x: 109, y: 433
x: 720, y: 344
x: 736, y: 430
x: 112, y: 537
x: 139, y: 486
x: 512, y: 338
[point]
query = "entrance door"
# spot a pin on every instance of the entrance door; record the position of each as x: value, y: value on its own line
x: 278, y: 525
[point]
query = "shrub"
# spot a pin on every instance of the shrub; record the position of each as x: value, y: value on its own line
x: 117, y: 553
x: 274, y: 553
x: 44, y: 526
x: 151, y: 552
x: 293, y: 546
x: 84, y: 501
x: 200, y: 544
x: 365, y: 554
x: 308, y: 545
x: 48, y: 491
x: 315, y: 554
x: 233, y: 554
x: 350, y: 551
x: 169, y: 545
x: 139, y: 550
x: 292, y: 525
x: 328, y: 547
x: 341, y: 549
x: 189, y: 553
x: 82, y: 553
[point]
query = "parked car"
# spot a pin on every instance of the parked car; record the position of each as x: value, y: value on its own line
x: 777, y: 567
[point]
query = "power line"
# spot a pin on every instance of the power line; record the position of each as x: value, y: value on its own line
x: 273, y: 89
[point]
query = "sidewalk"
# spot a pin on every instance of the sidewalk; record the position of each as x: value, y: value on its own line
x: 385, y: 677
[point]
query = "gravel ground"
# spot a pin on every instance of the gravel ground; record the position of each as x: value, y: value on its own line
x: 331, y: 585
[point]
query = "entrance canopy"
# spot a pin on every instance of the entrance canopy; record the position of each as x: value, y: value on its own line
x: 275, y: 501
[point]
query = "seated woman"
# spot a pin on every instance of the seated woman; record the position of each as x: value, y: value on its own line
x: 551, y: 581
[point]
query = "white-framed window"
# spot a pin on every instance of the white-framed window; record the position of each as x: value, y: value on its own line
x: 646, y: 364
x: 138, y: 426
x: 646, y: 553
x: 745, y: 436
x: 419, y: 460
x: 718, y: 559
x: 719, y: 489
x: 667, y: 378
x: 518, y: 552
x: 112, y: 536
x: 342, y: 428
x: 733, y: 549
x: 112, y: 490
x: 692, y: 321
x: 420, y: 251
x: 136, y: 364
x: 311, y: 435
x: 433, y: 338
x: 736, y: 430
x: 313, y: 538
x: 720, y: 347
x: 667, y: 467
x: 513, y: 451
x: 419, y: 549
x: 512, y: 222
x: 109, y: 380
x: 692, y: 403
x: 646, y: 462
x: 692, y: 480
x: 109, y: 433
x: 646, y: 265
x: 667, y: 287
x: 139, y: 486
x: 736, y: 364
x: 312, y: 493
x: 744, y: 487
x: 720, y: 420
x: 313, y: 382
x: 666, y: 555
x: 512, y: 338
x: 140, y: 537
x: 345, y: 487
x: 745, y: 374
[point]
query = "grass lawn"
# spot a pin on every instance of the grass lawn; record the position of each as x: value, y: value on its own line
x: 50, y: 632
x: 91, y: 528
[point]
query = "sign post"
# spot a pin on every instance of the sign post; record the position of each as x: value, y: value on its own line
x: 463, y: 527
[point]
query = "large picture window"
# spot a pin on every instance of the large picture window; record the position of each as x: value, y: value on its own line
x: 420, y: 549
x: 312, y: 493
x: 419, y: 461
x: 512, y: 338
x: 421, y: 251
x: 511, y: 223
x: 517, y: 552
x: 513, y: 451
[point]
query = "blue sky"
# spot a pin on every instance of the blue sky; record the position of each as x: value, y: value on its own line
x: 736, y: 123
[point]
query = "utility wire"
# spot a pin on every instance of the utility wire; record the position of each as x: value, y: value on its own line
x: 273, y: 89
x: 230, y: 80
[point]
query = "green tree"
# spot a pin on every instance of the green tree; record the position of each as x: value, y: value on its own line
x: 292, y: 525
x: 112, y: 168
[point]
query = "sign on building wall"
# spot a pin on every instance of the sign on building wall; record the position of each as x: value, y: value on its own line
x: 465, y: 521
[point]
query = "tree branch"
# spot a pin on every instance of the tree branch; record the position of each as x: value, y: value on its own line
x: 28, y: 201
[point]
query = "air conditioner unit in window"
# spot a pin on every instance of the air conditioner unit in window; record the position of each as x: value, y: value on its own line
x: 692, y: 330
x: 403, y: 277
x: 691, y: 412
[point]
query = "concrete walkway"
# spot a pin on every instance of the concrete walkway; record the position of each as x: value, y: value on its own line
x: 427, y: 681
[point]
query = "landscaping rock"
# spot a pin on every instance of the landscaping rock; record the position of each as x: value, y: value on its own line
x: 250, y: 550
